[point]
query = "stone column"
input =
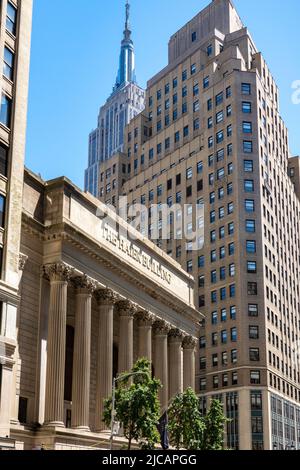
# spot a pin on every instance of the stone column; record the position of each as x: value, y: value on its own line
x: 162, y: 329
x: 106, y: 300
x: 82, y: 354
x: 59, y: 275
x: 125, y: 360
x: 189, y: 372
x: 175, y: 351
x: 145, y: 323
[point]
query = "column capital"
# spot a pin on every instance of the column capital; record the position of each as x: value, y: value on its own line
x: 84, y: 284
x: 189, y: 342
x: 58, y: 272
x: 106, y: 297
x: 145, y: 318
x: 176, y: 335
x: 162, y: 327
x: 126, y: 308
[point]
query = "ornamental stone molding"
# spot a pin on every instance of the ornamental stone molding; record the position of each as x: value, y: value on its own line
x: 145, y: 318
x: 126, y: 308
x: 190, y: 342
x: 84, y: 284
x: 22, y: 261
x: 162, y: 327
x: 176, y: 335
x: 58, y: 272
x: 106, y: 296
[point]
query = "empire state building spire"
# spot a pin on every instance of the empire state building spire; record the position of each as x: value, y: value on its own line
x: 126, y: 73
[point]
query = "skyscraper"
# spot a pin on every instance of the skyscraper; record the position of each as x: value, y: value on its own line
x: 125, y: 102
x: 15, y: 28
x: 212, y: 134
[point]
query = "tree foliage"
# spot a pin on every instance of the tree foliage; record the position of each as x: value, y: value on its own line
x: 189, y: 430
x: 186, y: 425
x: 137, y: 406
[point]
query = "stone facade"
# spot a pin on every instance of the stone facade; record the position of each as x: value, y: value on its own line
x: 92, y: 303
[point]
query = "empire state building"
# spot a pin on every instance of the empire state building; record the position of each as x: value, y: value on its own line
x: 125, y: 102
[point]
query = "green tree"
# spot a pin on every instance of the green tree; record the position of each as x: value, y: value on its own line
x: 186, y: 426
x: 137, y: 406
x: 214, y: 421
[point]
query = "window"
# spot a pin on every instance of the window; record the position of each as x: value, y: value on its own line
x: 248, y: 166
x: 229, y: 110
x: 249, y: 186
x: 151, y: 154
x: 177, y: 137
x: 158, y: 126
x: 223, y: 293
x: 223, y: 315
x: 22, y: 414
x: 2, y: 211
x: 252, y: 310
x: 214, y: 318
x: 250, y: 226
x: 251, y: 246
x: 196, y: 124
x: 229, y: 150
x: 249, y: 205
x: 232, y: 291
x: 233, y: 334
x: 234, y: 356
x: 158, y: 94
x: 253, y: 332
x: 186, y: 131
x: 232, y: 270
x: 224, y: 336
x: 247, y: 127
x: 215, y: 360
x: 209, y: 50
x: 189, y: 266
x: 3, y: 159
x: 246, y: 89
x: 209, y: 123
x: 202, y: 384
x: 234, y: 378
x: 199, y: 167
x: 221, y: 212
x: 255, y: 377
x: 209, y: 104
x: 251, y: 267
x: 254, y: 354
x: 222, y: 273
x: 196, y: 106
x: 8, y: 67
x: 224, y: 358
x: 194, y: 36
x: 231, y: 228
x: 184, y: 75
x: 5, y: 112
x: 220, y: 174
x: 231, y: 249
x: 210, y: 142
x: 219, y: 117
x: 189, y: 191
x: 175, y: 82
x: 213, y: 256
x: 225, y: 380
x: 229, y: 130
x: 206, y: 82
x: 159, y: 190
x: 193, y: 69
x: 228, y: 92
x: 246, y: 107
x: 230, y: 208
x: 220, y: 137
x: 175, y: 114
x: 214, y: 339
x: 233, y: 312
x: 201, y: 261
x: 215, y: 381
x: 222, y: 252
x: 219, y: 99
x: 202, y: 363
x: 252, y: 288
x: 167, y: 143
x: 221, y: 233
x: 11, y: 19
x: 247, y: 146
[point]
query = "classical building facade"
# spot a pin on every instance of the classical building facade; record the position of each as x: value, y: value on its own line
x: 15, y: 33
x: 211, y: 133
x: 94, y: 297
x: 125, y: 102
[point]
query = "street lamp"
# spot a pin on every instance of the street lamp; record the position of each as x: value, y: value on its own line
x: 118, y: 379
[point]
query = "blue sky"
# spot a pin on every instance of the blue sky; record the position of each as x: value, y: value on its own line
x: 74, y: 61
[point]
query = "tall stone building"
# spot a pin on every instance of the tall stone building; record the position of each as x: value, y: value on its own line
x: 15, y: 32
x: 212, y: 134
x: 125, y: 102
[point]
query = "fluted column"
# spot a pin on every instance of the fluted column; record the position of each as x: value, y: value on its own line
x: 162, y: 329
x: 145, y: 323
x: 175, y: 351
x: 59, y: 275
x: 189, y: 372
x: 125, y: 360
x: 106, y: 300
x: 82, y: 354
